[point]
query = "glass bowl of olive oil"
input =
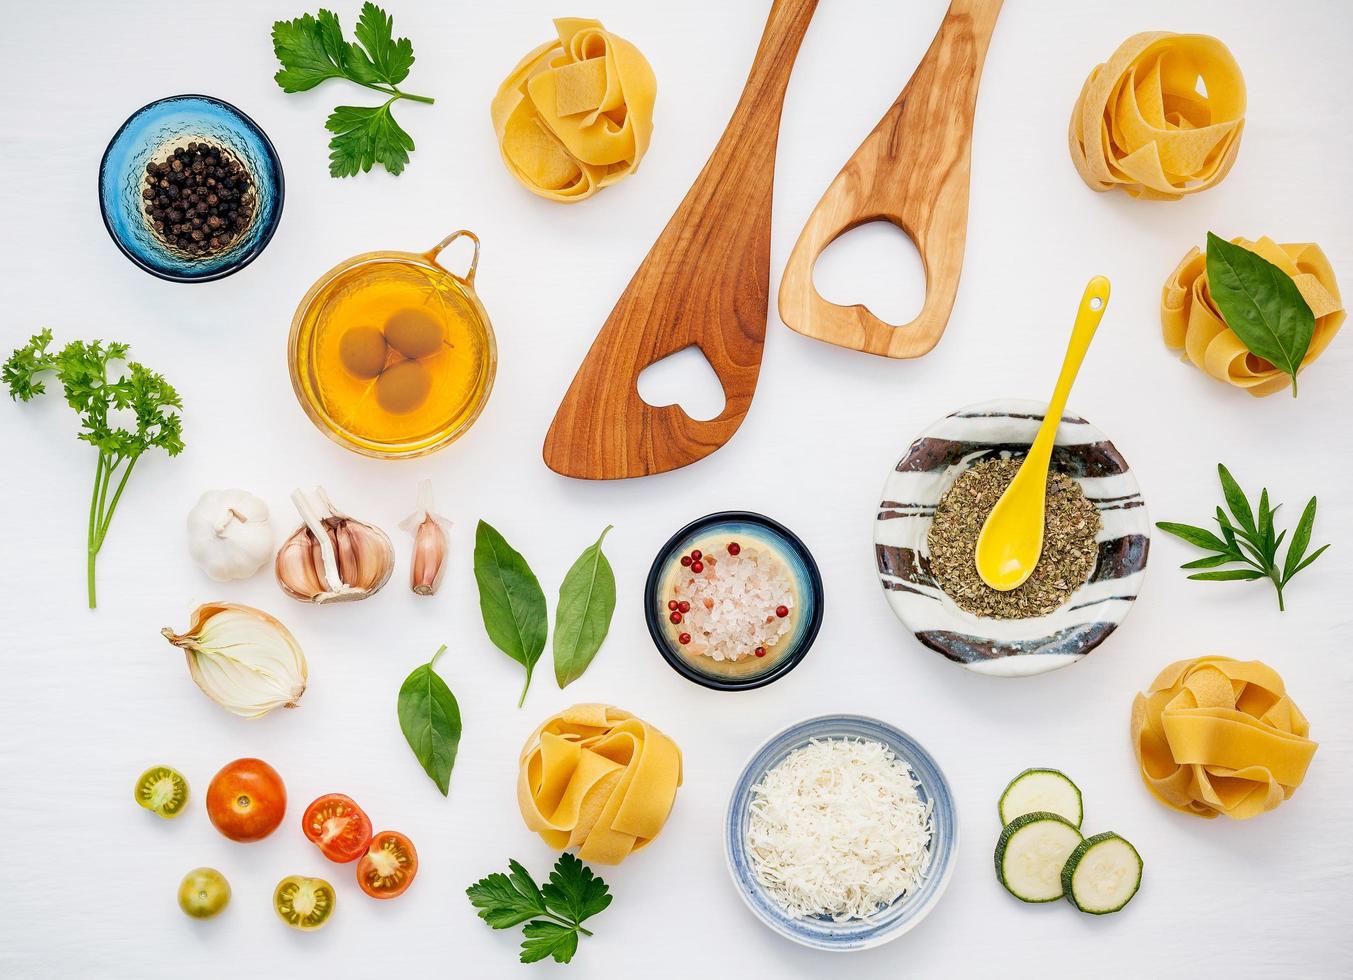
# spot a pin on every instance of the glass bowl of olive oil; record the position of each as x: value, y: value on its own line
x: 391, y: 354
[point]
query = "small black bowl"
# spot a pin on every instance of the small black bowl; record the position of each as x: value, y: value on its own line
x: 744, y: 527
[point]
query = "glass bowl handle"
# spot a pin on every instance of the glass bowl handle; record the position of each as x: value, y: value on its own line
x: 436, y: 250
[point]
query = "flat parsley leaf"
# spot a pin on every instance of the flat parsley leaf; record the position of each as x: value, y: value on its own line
x: 366, y: 136
x: 548, y: 939
x: 312, y: 50
x: 574, y: 892
x: 553, y: 914
x: 504, y: 901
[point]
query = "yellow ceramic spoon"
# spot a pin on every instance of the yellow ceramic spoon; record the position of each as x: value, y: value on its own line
x: 1012, y: 537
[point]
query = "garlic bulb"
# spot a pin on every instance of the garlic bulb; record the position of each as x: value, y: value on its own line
x: 431, y: 543
x: 242, y: 658
x: 229, y: 535
x: 332, y: 557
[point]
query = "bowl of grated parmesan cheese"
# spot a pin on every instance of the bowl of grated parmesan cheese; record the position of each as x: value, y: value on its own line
x: 841, y: 833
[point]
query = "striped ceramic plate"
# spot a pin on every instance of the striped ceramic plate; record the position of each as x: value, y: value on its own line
x: 1012, y: 648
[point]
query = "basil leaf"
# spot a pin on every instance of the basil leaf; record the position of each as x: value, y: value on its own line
x: 510, y: 600
x: 430, y: 719
x: 1261, y: 303
x: 583, y: 614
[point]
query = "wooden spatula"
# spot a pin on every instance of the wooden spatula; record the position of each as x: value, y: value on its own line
x: 911, y: 170
x: 705, y: 282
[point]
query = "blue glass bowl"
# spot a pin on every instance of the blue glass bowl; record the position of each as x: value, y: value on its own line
x: 901, y: 916
x: 748, y: 528
x: 150, y: 134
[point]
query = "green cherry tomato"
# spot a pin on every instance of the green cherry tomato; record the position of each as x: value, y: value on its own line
x: 303, y: 903
x: 162, y: 790
x: 203, y: 893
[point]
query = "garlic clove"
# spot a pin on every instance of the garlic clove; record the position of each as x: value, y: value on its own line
x: 229, y: 535
x: 431, y: 543
x: 332, y: 557
x: 242, y: 658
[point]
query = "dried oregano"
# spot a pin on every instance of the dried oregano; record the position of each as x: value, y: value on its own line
x: 1069, y: 549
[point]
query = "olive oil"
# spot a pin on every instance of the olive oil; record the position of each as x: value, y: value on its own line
x: 392, y: 355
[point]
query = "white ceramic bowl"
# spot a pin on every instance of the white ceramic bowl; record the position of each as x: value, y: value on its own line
x: 1009, y: 647
x: 903, y: 915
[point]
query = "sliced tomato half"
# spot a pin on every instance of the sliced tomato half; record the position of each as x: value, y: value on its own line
x: 338, y: 827
x: 389, y: 865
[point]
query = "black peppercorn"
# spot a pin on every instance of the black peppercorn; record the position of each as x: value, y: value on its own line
x: 199, y: 199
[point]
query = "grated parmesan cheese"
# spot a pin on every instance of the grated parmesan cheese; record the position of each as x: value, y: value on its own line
x: 837, y: 829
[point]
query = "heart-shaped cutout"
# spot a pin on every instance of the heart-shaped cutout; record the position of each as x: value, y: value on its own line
x: 685, y: 378
x: 876, y: 265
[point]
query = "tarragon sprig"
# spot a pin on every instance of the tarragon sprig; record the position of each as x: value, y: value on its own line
x: 1249, y: 539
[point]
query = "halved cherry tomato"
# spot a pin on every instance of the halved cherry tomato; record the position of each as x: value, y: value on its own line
x: 338, y: 827
x: 162, y: 790
x: 303, y: 903
x: 389, y: 865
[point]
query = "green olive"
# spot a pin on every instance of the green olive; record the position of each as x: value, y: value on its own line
x: 203, y: 893
x: 362, y: 351
x: 414, y: 333
x: 403, y: 387
x: 162, y: 790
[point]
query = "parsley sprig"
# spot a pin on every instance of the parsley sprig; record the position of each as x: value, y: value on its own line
x: 312, y: 50
x: 1248, y: 539
x: 553, y: 914
x: 90, y: 389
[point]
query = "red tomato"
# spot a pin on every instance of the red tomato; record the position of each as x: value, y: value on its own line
x: 246, y: 800
x: 338, y: 827
x: 388, y: 866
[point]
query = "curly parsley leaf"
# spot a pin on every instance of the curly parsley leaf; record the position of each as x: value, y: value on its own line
x: 311, y: 49
x: 553, y: 914
x: 93, y: 388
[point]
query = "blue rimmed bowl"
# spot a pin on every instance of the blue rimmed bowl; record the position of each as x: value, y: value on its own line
x: 149, y: 135
x: 747, y: 528
x: 898, y: 918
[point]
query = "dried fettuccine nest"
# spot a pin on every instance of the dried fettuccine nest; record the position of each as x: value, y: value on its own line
x: 1191, y: 322
x: 1161, y: 118
x: 576, y: 113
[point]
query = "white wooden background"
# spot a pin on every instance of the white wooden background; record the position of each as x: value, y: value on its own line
x: 87, y: 700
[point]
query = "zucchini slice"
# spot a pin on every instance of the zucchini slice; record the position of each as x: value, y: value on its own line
x: 1102, y: 874
x: 1031, y: 853
x: 1046, y: 790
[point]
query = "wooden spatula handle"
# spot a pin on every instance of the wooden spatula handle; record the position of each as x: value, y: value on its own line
x: 705, y: 283
x: 911, y: 170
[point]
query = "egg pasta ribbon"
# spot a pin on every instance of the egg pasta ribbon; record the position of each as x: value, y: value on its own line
x: 1190, y: 320
x: 599, y: 779
x: 576, y: 113
x: 1215, y: 735
x: 1143, y: 122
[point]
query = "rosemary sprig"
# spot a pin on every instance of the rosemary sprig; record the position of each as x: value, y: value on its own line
x: 1249, y: 539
